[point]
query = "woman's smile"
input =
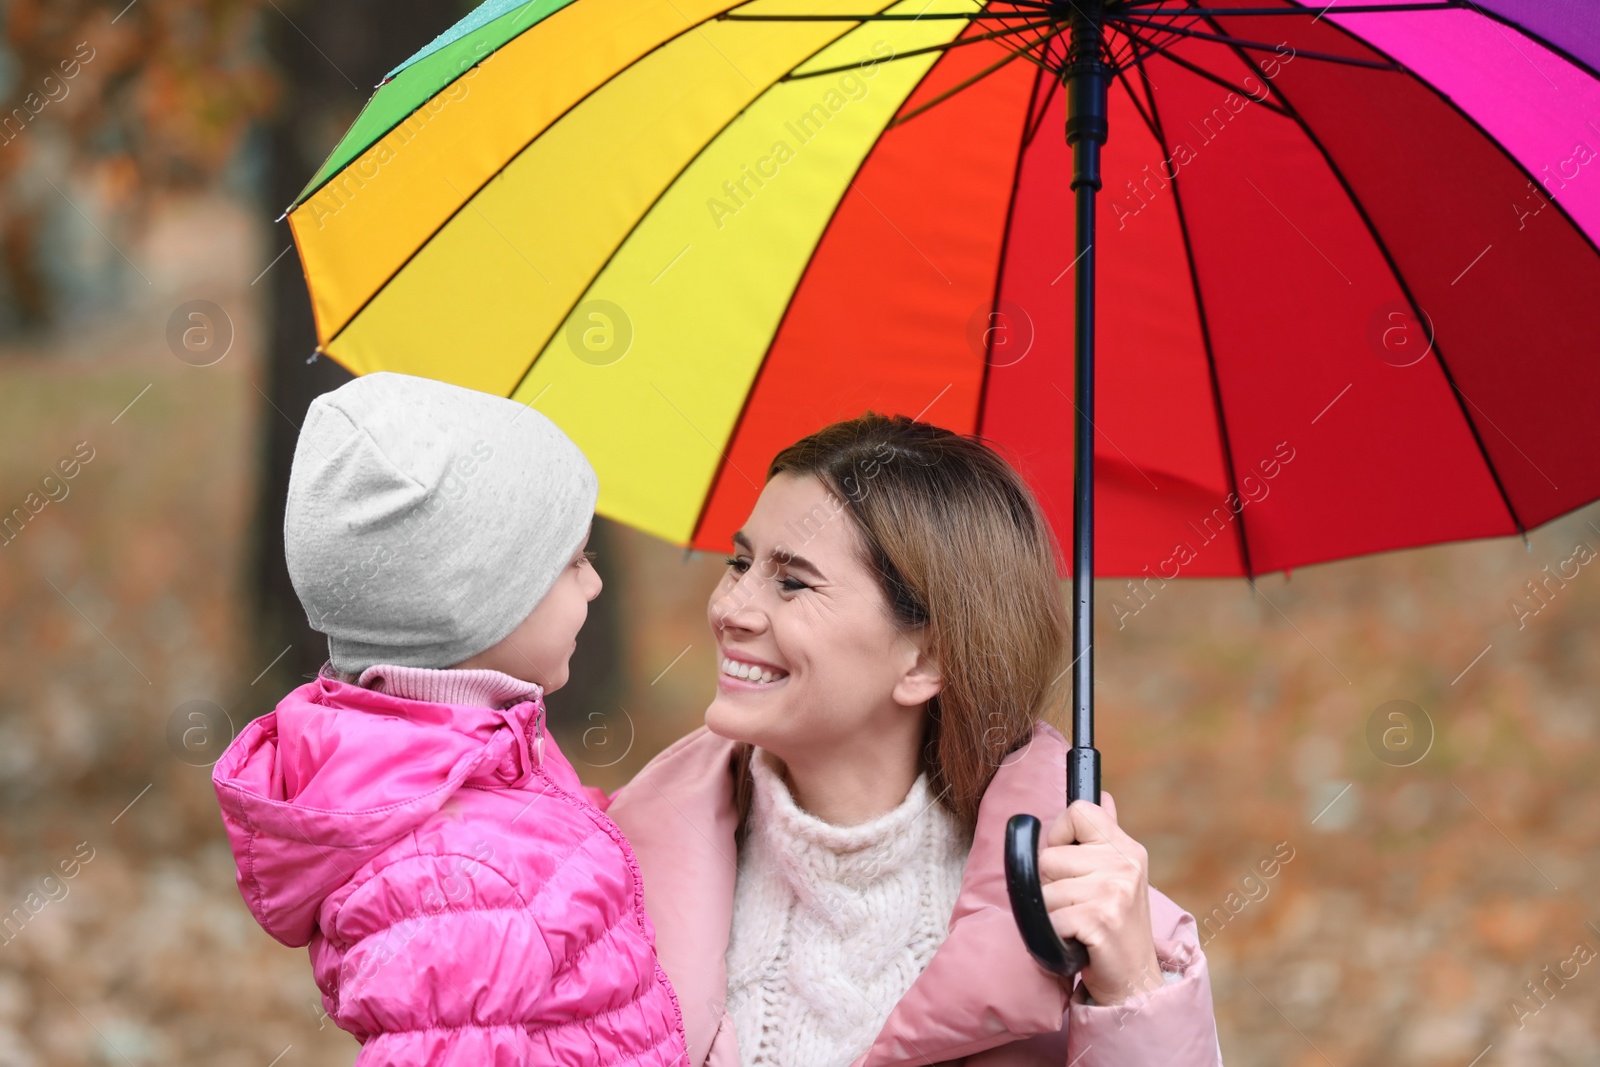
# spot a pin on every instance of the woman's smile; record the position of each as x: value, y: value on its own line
x: 810, y: 659
x: 742, y: 673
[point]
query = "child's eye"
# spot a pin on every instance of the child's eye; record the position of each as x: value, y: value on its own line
x: 588, y: 556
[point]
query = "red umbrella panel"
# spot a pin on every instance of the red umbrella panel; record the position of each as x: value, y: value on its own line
x: 1337, y: 313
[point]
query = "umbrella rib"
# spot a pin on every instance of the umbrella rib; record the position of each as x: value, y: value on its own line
x: 1120, y: 50
x: 1538, y: 39
x: 948, y: 46
x: 1129, y: 55
x: 1205, y: 340
x: 1260, y: 46
x: 777, y: 330
x: 1127, y: 85
x: 1461, y: 398
x: 356, y: 314
x: 1353, y: 9
x: 1405, y: 289
x: 900, y: 120
x: 1135, y: 56
x: 1476, y: 125
x: 308, y: 193
x: 1036, y: 120
x: 1005, y: 243
x: 1042, y: 42
x: 970, y: 16
x: 1196, y: 69
x: 1123, y: 22
x: 1026, y: 52
x: 621, y: 243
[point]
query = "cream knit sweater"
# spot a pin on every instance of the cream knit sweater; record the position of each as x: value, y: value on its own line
x: 831, y: 924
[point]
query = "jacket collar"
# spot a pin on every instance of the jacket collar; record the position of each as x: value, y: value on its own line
x: 981, y: 988
x: 336, y: 773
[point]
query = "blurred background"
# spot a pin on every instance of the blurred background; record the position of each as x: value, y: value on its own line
x: 1416, y: 731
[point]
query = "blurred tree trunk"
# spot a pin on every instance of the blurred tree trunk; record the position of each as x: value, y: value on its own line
x: 330, y: 56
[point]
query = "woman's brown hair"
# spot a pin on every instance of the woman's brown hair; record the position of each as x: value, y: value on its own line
x: 961, y: 550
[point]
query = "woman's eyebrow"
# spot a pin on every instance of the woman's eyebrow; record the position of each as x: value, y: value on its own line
x: 787, y: 559
x: 799, y: 563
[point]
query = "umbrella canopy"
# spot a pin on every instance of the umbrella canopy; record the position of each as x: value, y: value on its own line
x: 1343, y: 309
x: 739, y: 214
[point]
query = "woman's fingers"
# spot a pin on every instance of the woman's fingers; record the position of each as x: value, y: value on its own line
x: 1084, y: 822
x: 1108, y: 911
x: 1070, y: 892
x: 1074, y: 922
x: 1121, y: 855
x: 1116, y: 892
x: 1092, y: 921
x: 1095, y: 882
x: 1070, y: 861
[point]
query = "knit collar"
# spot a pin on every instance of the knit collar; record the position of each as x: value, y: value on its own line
x: 815, y: 856
x: 477, y: 687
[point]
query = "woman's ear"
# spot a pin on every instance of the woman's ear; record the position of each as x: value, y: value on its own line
x: 921, y: 680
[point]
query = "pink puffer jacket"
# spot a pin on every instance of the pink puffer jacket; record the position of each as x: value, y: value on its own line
x: 464, y: 902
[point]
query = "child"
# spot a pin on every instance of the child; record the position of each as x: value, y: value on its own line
x: 404, y: 814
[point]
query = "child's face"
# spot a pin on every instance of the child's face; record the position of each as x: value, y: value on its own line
x: 541, y: 646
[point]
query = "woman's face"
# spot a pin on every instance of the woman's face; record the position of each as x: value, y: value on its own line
x: 804, y: 619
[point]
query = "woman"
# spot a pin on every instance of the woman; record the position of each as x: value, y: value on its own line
x: 822, y: 861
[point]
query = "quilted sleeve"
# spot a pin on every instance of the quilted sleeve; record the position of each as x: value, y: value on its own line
x: 1173, y: 1026
x: 442, y: 964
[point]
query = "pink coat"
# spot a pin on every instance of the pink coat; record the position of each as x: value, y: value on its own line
x: 981, y: 1000
x: 464, y: 902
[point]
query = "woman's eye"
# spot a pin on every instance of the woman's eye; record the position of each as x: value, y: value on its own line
x: 739, y: 565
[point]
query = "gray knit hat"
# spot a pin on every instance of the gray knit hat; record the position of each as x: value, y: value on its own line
x: 426, y: 521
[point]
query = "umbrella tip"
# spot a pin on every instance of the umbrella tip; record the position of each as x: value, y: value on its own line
x: 315, y: 352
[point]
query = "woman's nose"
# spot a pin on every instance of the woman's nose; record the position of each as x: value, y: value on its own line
x: 734, y: 608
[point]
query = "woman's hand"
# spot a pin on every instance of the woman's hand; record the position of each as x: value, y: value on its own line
x: 1097, y: 889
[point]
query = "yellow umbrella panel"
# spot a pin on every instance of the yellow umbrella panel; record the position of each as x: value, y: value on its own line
x: 584, y: 212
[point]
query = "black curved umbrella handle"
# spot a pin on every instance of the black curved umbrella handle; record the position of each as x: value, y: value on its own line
x: 1062, y: 957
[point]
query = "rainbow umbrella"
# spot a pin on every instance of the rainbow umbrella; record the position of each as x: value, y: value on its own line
x: 1350, y: 282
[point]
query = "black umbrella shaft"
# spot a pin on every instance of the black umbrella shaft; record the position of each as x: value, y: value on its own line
x: 1088, y: 78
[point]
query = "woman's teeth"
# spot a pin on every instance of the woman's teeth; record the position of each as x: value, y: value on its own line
x: 749, y: 672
